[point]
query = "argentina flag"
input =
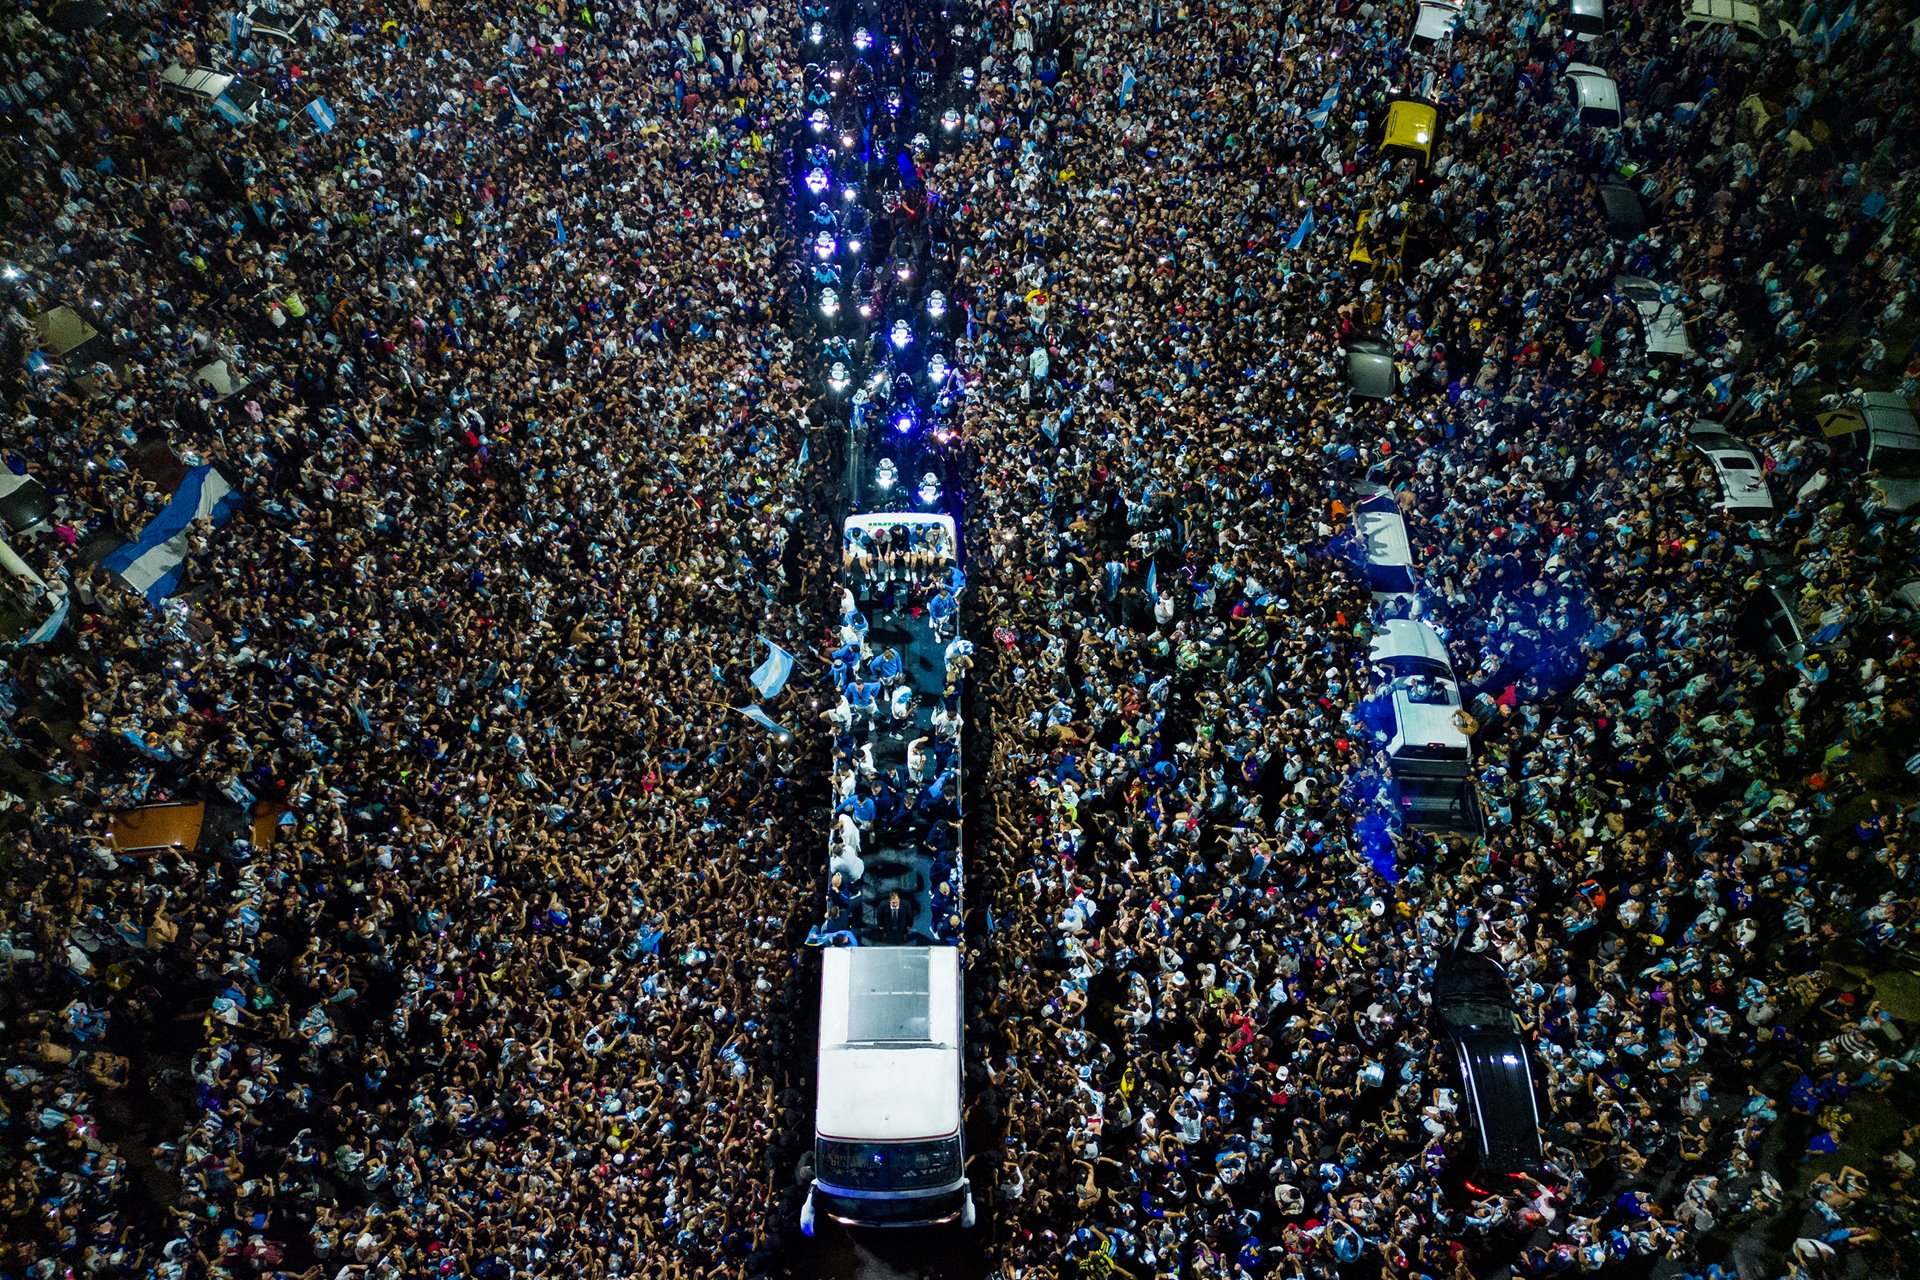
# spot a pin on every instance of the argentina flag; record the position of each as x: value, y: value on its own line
x: 1319, y: 115
x: 771, y: 676
x: 46, y: 631
x: 1299, y: 237
x: 152, y: 563
x: 765, y: 721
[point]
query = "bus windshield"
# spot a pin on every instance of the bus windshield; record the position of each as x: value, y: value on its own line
x: 888, y: 1166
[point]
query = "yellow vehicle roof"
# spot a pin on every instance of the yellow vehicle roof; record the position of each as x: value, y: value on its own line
x: 1411, y: 125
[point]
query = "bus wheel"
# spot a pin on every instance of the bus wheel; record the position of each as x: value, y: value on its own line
x: 806, y: 1215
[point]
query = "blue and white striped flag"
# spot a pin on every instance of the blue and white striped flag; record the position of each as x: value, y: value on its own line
x: 323, y: 117
x: 559, y: 229
x: 520, y: 106
x: 228, y: 111
x: 765, y: 721
x: 1319, y: 115
x: 771, y: 676
x: 151, y: 564
x: 1299, y: 237
x: 1153, y: 581
x: 47, y: 630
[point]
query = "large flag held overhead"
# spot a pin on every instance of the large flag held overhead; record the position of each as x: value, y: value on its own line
x: 771, y: 676
x: 765, y: 721
x: 1319, y: 115
x: 151, y: 564
x: 47, y: 630
x: 1299, y: 237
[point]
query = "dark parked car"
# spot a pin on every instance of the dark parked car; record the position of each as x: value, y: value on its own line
x: 1370, y: 367
x: 1474, y: 1006
x: 1620, y: 206
x: 24, y: 505
x: 1768, y: 624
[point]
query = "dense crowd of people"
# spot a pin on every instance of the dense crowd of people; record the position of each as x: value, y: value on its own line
x: 513, y: 988
x: 1235, y: 1043
x: 510, y: 990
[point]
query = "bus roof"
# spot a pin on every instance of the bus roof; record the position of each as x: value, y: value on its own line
x: 889, y: 1044
x: 1383, y: 532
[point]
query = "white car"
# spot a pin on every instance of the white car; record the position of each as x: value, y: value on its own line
x: 1663, y: 325
x: 1743, y: 480
x: 1433, y: 23
x: 1595, y: 94
x: 1750, y: 31
x: 1893, y: 449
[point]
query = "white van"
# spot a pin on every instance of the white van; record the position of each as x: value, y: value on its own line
x: 1751, y: 30
x: 1435, y: 21
x: 1411, y: 667
x: 232, y: 97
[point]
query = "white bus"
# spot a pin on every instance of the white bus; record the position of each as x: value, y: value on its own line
x: 888, y: 1106
x: 887, y: 1148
